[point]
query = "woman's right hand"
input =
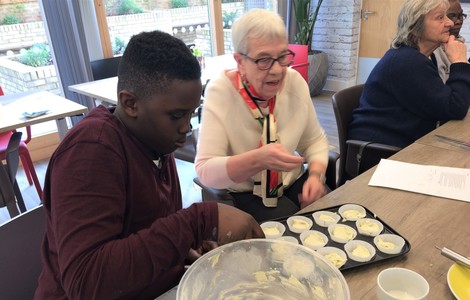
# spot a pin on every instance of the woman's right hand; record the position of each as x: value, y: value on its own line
x: 455, y: 50
x: 276, y: 157
x: 272, y: 156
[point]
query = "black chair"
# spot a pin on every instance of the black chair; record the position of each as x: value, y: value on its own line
x: 216, y: 195
x: 9, y: 189
x: 355, y: 156
x: 20, y: 254
x: 105, y: 68
x: 188, y: 151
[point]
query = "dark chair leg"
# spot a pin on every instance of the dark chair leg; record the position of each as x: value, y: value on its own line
x: 19, y: 197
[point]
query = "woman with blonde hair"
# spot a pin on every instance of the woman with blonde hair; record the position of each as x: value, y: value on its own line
x: 404, y: 97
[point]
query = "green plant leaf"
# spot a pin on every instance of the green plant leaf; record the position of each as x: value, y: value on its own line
x: 37, y: 56
x: 305, y: 19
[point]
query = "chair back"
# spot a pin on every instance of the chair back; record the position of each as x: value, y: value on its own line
x: 8, y: 175
x: 301, y: 62
x: 356, y: 156
x: 20, y: 254
x: 344, y: 102
x: 105, y: 68
x: 12, y: 155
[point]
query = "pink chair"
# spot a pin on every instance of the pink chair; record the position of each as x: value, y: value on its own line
x: 25, y: 157
x: 301, y: 59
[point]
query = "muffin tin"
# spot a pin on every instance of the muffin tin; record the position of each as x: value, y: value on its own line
x: 379, y: 256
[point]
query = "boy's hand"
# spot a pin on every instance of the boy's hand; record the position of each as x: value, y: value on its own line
x: 235, y: 225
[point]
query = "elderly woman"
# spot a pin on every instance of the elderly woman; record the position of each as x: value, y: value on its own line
x: 259, y: 125
x: 456, y: 15
x: 404, y: 97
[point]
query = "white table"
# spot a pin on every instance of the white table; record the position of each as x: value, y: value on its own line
x: 106, y: 89
x: 13, y: 107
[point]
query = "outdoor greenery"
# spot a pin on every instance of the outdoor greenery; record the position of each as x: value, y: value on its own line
x: 119, y: 45
x: 10, y: 19
x: 179, y: 3
x: 228, y: 18
x: 14, y: 15
x: 198, y: 52
x: 305, y: 19
x: 37, y: 56
x: 128, y: 7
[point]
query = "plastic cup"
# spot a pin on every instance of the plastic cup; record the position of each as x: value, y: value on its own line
x: 299, y: 224
x: 389, y: 243
x: 288, y: 238
x: 325, y: 218
x: 273, y: 229
x: 369, y: 226
x: 329, y: 253
x: 347, y: 233
x: 368, y: 253
x: 318, y: 239
x: 352, y: 212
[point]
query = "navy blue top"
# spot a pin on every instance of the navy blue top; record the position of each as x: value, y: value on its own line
x: 404, y: 98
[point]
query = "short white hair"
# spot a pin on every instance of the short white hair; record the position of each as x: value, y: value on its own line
x: 257, y: 24
x: 410, y: 24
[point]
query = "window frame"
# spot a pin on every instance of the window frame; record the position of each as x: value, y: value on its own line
x: 215, y: 17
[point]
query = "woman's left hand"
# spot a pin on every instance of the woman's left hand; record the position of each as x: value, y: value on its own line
x: 312, y: 190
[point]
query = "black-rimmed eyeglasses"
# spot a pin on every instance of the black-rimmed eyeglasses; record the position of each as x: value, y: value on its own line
x: 455, y: 17
x: 265, y: 63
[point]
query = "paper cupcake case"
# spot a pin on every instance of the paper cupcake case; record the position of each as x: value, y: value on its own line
x: 378, y: 257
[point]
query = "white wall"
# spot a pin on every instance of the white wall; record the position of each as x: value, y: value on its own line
x: 465, y: 31
x: 337, y: 33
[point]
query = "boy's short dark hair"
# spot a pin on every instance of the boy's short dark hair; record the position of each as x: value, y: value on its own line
x: 152, y: 60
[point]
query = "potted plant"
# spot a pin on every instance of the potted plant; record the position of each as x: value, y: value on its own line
x: 305, y: 17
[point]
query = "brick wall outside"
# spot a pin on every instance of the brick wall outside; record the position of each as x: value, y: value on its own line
x: 22, y: 35
x: 182, y: 22
x: 26, y: 10
x: 16, y: 77
x: 127, y: 25
x: 149, y: 5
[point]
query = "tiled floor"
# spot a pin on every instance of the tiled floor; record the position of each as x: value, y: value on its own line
x: 190, y: 192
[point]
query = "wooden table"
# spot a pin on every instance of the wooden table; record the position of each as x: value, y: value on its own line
x: 106, y: 89
x: 425, y: 221
x: 13, y: 106
x: 456, y: 129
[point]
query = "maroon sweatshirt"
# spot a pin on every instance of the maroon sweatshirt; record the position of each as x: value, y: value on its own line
x: 115, y: 227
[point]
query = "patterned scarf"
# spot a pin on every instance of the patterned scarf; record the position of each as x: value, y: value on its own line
x: 268, y: 183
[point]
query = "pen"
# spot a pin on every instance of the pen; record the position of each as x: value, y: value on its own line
x: 460, y: 259
x: 456, y: 142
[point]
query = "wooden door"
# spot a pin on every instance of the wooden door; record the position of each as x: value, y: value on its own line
x: 378, y: 29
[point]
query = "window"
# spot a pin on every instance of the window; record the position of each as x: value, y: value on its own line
x: 25, y: 61
x: 191, y: 20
